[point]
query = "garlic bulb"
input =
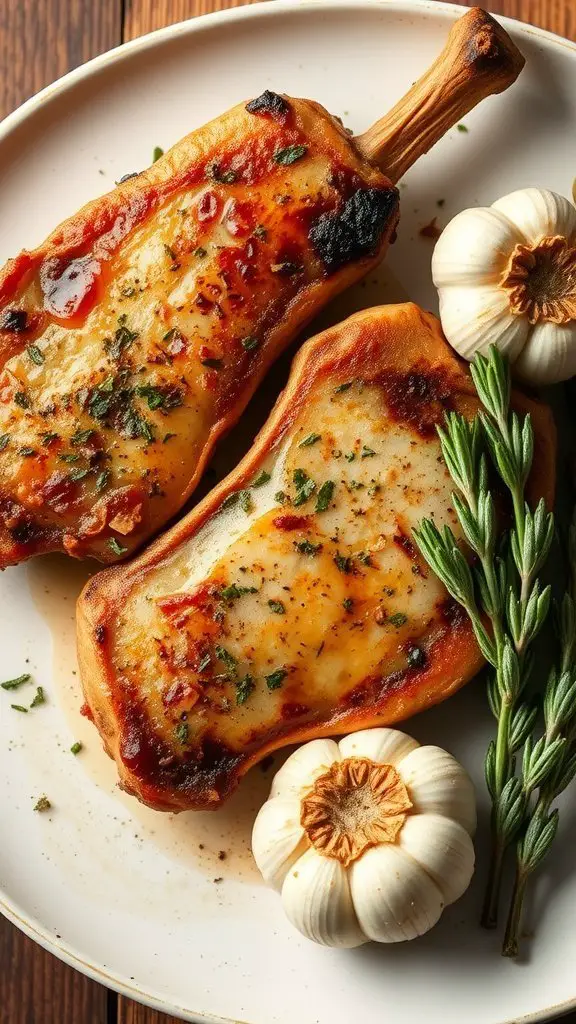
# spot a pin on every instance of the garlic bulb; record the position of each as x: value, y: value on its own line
x: 506, y: 275
x: 368, y: 838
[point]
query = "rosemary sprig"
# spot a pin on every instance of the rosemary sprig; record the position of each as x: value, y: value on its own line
x: 549, y: 764
x: 502, y: 590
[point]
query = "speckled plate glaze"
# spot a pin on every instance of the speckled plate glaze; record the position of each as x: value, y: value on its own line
x: 169, y: 909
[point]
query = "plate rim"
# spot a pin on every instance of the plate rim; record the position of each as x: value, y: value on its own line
x: 443, y: 11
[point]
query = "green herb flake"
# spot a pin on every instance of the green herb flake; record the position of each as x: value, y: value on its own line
x: 463, y: 128
x: 22, y: 399
x: 76, y: 748
x: 159, y: 398
x: 416, y: 657
x: 211, y: 363
x: 4, y: 438
x: 276, y: 678
x: 43, y: 804
x: 230, y: 500
x: 38, y: 698
x: 262, y: 479
x: 281, y: 497
x: 34, y: 353
x: 19, y: 707
x: 244, y: 688
x: 246, y: 502
x: 350, y: 456
x: 277, y: 607
x: 290, y: 154
x: 26, y: 452
x: 128, y: 291
x: 223, y: 177
x: 102, y: 480
x: 200, y: 252
x: 325, y: 495
x: 116, y: 547
x: 367, y: 452
x: 364, y: 557
x: 78, y: 474
x: 81, y: 436
x: 348, y: 604
x: 181, y: 732
x: 343, y: 387
x: 49, y: 437
x: 307, y: 547
x: 310, y: 440
x: 305, y: 487
x: 226, y: 658
x: 398, y: 619
x: 13, y: 684
x: 250, y: 343
x: 233, y: 592
x: 157, y: 152
x: 343, y: 562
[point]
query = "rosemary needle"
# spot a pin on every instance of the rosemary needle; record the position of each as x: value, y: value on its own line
x: 502, y: 588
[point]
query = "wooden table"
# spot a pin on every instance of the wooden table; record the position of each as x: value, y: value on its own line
x: 39, y: 41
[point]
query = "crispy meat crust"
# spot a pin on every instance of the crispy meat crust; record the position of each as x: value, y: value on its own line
x: 134, y: 336
x: 401, y: 351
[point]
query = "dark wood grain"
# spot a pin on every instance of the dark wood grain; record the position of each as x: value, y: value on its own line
x: 39, y: 41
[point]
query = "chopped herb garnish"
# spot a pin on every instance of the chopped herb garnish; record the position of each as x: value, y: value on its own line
x: 43, y: 804
x: 4, y: 438
x: 277, y: 606
x: 213, y: 364
x: 204, y: 663
x: 343, y: 562
x: 157, y: 153
x: 69, y: 457
x: 223, y: 177
x: 116, y: 547
x: 246, y: 502
x: 26, y: 452
x: 325, y: 495
x: 232, y: 592
x: 281, y: 497
x: 231, y: 500
x: 250, y: 343
x: 305, y: 487
x: 13, y: 684
x: 76, y: 748
x: 200, y: 252
x: 170, y: 252
x: 343, y: 387
x: 81, y: 436
x: 160, y: 398
x: 102, y: 480
x: 181, y: 732
x: 35, y: 354
x: 262, y: 479
x: 78, y: 474
x: 348, y: 603
x: 226, y: 658
x: 306, y: 547
x: 290, y: 154
x: 310, y: 440
x: 128, y: 291
x: 350, y: 456
x: 367, y: 452
x: 21, y: 399
x: 19, y: 707
x: 364, y: 557
x: 398, y: 619
x: 123, y: 338
x: 276, y: 678
x: 244, y: 688
x: 356, y: 485
x: 462, y: 128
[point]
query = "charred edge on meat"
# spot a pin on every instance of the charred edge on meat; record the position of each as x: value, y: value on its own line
x: 356, y: 230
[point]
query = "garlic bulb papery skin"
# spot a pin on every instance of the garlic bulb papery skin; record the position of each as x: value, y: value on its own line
x: 506, y: 276
x: 367, y: 839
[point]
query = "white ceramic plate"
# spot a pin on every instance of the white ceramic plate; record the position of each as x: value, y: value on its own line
x: 133, y: 897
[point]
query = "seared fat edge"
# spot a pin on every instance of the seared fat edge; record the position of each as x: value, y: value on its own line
x: 130, y: 353
x: 276, y: 613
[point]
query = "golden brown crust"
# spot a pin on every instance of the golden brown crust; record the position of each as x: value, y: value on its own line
x: 384, y: 345
x: 245, y: 248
